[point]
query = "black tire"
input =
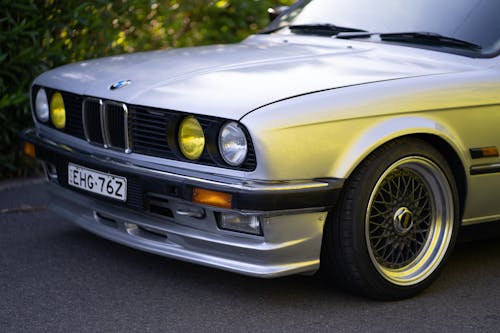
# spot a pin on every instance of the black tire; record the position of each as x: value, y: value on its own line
x: 395, y: 224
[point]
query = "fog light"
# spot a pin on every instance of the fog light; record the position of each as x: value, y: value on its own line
x: 238, y: 222
x: 191, y: 138
x: 58, y: 111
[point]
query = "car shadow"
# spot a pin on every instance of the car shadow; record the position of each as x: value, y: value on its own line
x: 477, y: 248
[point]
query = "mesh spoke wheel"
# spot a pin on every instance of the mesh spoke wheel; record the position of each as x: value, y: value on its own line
x: 409, y: 220
x: 395, y: 223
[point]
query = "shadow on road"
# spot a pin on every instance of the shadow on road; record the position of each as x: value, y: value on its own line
x: 477, y: 249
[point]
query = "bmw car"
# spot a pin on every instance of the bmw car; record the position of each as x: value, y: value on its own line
x: 349, y: 137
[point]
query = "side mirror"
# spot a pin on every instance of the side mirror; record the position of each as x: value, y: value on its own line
x: 276, y: 11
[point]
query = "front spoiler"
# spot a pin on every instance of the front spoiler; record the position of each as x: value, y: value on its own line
x: 253, y: 256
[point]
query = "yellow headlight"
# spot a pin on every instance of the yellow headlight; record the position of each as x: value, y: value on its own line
x: 191, y: 138
x: 57, y: 111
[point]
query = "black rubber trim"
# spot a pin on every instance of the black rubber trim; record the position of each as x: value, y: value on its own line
x: 260, y: 200
x: 485, y: 169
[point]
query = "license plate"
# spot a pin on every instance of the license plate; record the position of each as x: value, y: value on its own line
x: 97, y: 182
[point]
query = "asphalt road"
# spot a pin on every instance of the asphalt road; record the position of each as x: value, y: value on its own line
x: 55, y: 277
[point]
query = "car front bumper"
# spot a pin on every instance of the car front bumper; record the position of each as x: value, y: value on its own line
x: 291, y: 214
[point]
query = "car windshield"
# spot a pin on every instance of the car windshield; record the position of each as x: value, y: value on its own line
x: 473, y: 21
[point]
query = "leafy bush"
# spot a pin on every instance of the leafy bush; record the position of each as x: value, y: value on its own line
x: 36, y: 35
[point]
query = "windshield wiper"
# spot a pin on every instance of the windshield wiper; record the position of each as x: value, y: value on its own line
x: 271, y: 30
x: 322, y: 29
x: 427, y: 38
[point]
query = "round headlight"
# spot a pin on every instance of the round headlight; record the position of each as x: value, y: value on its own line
x: 57, y: 111
x: 191, y: 138
x: 42, y: 106
x: 233, y: 144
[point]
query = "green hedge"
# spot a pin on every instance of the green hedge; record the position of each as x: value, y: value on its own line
x: 38, y: 35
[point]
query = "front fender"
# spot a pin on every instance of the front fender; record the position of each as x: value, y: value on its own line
x: 335, y: 148
x: 386, y: 129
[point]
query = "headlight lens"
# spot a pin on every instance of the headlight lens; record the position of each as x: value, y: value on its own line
x: 233, y: 144
x: 191, y: 138
x: 42, y: 106
x: 57, y: 111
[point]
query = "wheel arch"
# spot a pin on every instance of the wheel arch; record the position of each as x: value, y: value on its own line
x: 440, y: 142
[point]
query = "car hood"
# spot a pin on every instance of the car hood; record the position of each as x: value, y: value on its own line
x: 231, y: 80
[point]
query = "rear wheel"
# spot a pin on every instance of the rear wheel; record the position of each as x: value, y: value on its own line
x: 395, y: 223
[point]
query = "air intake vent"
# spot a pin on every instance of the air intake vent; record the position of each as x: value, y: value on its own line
x: 159, y: 205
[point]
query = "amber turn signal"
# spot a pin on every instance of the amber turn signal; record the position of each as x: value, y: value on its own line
x: 489, y: 151
x: 212, y: 198
x: 484, y: 152
x: 29, y: 149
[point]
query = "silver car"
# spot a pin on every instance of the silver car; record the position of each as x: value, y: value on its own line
x: 349, y: 136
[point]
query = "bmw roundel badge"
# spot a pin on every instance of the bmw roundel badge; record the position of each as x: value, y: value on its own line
x: 119, y: 84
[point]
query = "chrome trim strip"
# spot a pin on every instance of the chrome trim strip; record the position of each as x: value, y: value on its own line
x: 190, y: 213
x: 104, y: 124
x: 126, y: 149
x: 84, y: 123
x: 125, y: 129
x: 250, y: 186
x: 84, y: 116
x: 482, y: 219
x: 282, y: 185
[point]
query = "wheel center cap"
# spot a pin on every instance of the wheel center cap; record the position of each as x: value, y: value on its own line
x: 403, y: 220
